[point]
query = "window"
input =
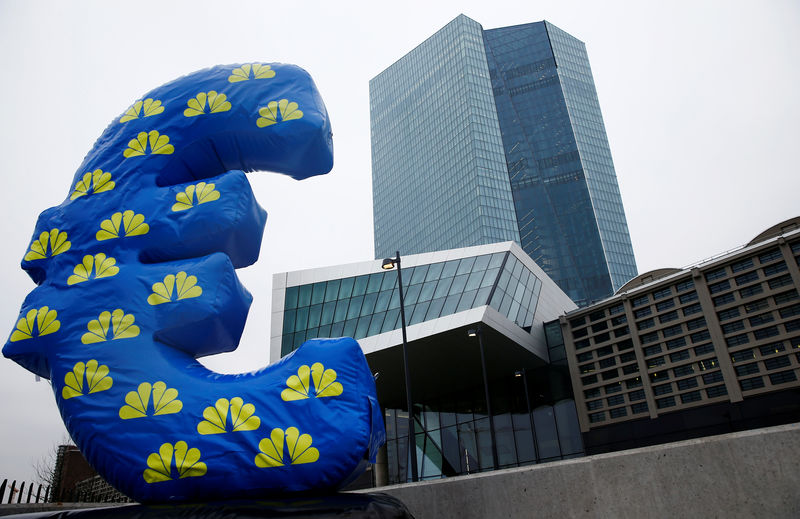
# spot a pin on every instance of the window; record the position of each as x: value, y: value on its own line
x: 688, y: 297
x: 605, y: 350
x: 599, y: 327
x: 592, y: 393
x: 591, y: 379
x: 775, y: 269
x: 642, y: 312
x: 747, y: 369
x: 684, y: 285
x: 771, y: 349
x: 597, y: 417
x: 613, y: 388
x: 789, y: 311
x: 763, y: 333
x: 649, y: 337
x: 756, y: 305
x: 782, y: 377
x: 710, y: 378
x: 776, y: 363
x: 578, y: 321
x: 624, y: 345
x: 620, y: 319
x: 583, y: 357
x: 792, y: 326
x: 647, y: 323
x: 735, y: 326
x: 688, y: 383
x: 594, y: 405
x: 705, y: 348
x: 682, y: 371
x: 724, y: 299
x: 692, y: 309
x: 640, y: 407
x: 737, y: 340
x: 615, y: 400
x: 695, y: 324
x: 751, y: 383
x: 583, y: 343
x: 691, y: 396
x: 672, y: 331
x: 662, y: 403
x: 751, y: 291
x: 728, y: 314
x: 599, y: 314
x: 659, y: 376
x: 667, y: 317
x: 663, y: 389
x: 616, y: 309
x: 716, y: 288
x: 660, y: 294
x: 630, y: 369
x: 760, y: 319
x: 627, y: 357
x: 742, y: 356
x: 655, y: 362
x: 607, y: 363
x: 714, y: 392
x: 639, y: 301
x: 715, y: 274
x: 770, y: 255
x: 700, y: 336
x: 679, y: 356
x: 676, y: 343
x: 583, y: 332
x: 781, y: 281
x: 708, y: 364
x: 633, y: 396
x: 618, y: 413
x: 621, y: 332
x: 741, y: 265
x: 784, y: 297
x: 634, y: 382
x: 743, y: 279
x: 652, y: 350
x: 603, y: 337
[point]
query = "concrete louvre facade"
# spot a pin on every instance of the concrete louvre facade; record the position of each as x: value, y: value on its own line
x: 715, y: 345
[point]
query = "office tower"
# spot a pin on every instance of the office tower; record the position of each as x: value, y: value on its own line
x: 484, y: 136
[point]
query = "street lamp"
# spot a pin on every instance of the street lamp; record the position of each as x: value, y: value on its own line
x: 524, y: 375
x: 479, y: 333
x: 389, y: 264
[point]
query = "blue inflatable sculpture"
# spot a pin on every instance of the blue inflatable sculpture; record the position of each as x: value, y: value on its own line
x: 136, y: 280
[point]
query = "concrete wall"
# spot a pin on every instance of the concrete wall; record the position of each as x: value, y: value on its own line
x: 747, y: 474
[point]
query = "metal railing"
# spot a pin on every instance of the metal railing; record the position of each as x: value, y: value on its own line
x: 17, y: 494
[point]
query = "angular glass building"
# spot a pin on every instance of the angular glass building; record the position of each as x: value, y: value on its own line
x: 496, y: 287
x: 482, y: 136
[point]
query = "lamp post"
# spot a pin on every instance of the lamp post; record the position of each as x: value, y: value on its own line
x: 389, y: 264
x: 524, y: 375
x: 479, y: 333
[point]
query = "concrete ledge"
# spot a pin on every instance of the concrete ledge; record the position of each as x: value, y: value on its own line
x: 746, y: 474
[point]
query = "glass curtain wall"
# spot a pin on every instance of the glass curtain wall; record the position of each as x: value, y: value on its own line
x: 452, y: 433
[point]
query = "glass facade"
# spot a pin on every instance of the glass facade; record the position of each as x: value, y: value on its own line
x: 452, y: 432
x: 366, y: 305
x: 439, y: 177
x: 437, y: 115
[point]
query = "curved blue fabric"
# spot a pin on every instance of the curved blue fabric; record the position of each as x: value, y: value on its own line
x: 136, y: 275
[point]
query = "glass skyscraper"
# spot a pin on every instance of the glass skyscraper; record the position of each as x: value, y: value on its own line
x: 485, y: 136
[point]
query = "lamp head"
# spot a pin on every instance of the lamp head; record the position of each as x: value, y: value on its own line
x: 388, y: 264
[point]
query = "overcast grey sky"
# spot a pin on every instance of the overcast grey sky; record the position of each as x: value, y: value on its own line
x: 700, y: 101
